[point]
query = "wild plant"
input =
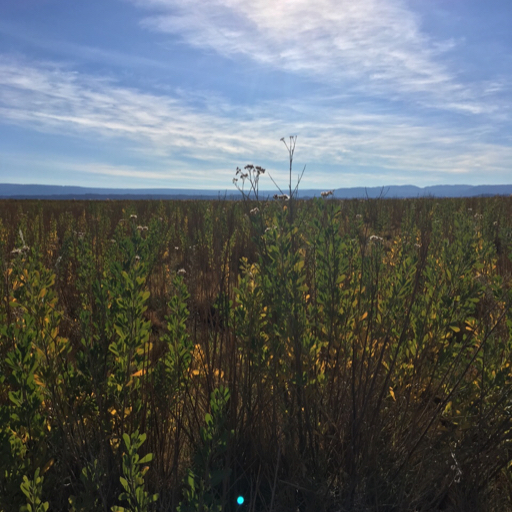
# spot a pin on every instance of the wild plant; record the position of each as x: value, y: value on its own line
x: 206, y: 487
x: 33, y: 490
x: 35, y: 365
x: 132, y: 480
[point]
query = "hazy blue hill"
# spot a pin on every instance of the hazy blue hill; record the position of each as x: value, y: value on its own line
x: 14, y: 191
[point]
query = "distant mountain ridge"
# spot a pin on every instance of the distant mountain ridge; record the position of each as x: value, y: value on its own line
x: 15, y: 191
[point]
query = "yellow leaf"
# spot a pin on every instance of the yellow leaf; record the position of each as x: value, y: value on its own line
x: 38, y: 380
x: 392, y: 393
x: 47, y: 466
x: 365, y: 315
x: 139, y: 373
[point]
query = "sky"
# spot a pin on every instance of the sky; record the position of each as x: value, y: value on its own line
x: 178, y: 93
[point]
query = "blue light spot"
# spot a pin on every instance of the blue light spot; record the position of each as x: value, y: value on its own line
x: 240, y: 500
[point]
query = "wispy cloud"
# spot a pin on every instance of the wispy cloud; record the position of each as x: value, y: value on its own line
x: 51, y: 98
x: 372, y: 46
x: 168, y: 132
x: 62, y: 170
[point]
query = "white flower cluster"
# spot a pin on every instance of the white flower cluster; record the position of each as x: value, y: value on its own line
x: 20, y: 250
x: 23, y: 248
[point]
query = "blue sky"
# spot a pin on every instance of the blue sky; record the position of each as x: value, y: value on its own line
x: 177, y: 93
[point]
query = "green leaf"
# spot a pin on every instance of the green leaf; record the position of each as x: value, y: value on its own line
x: 146, y: 458
x: 124, y: 483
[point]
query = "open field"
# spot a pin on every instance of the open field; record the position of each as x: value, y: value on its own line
x: 316, y: 356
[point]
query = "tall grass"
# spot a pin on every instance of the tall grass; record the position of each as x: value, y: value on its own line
x: 312, y: 355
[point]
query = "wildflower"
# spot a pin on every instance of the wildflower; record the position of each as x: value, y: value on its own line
x: 181, y: 272
x: 327, y: 194
x: 359, y: 216
x: 176, y: 248
x: 142, y: 228
x: 16, y: 251
x: 456, y: 468
x: 376, y: 239
x: 133, y: 216
x: 25, y: 248
x: 495, y: 223
x: 254, y: 211
x: 137, y: 258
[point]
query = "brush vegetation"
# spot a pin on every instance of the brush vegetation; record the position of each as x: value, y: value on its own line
x: 313, y: 356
